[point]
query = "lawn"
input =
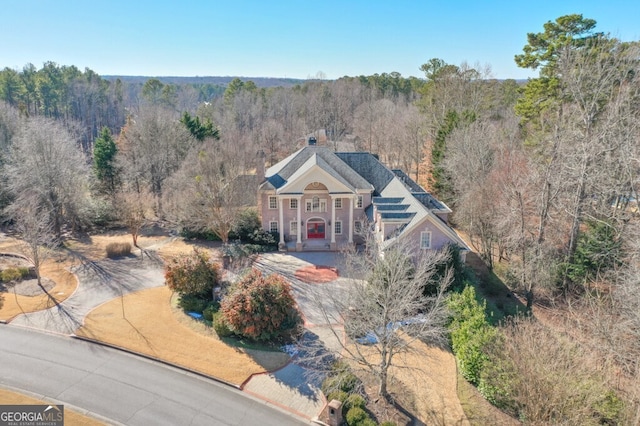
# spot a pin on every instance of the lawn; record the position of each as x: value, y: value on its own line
x: 145, y: 322
x: 55, y: 268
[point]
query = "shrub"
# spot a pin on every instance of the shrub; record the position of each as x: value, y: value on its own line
x: 262, y: 308
x: 192, y: 303
x: 220, y: 325
x: 354, y: 401
x: 341, y: 396
x: 115, y: 250
x: 245, y: 225
x: 193, y: 275
x: 10, y: 274
x: 356, y: 416
x: 470, y: 333
x: 210, y: 310
x: 388, y: 423
x: 341, y: 379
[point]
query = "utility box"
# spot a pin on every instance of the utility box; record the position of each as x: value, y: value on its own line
x: 334, y: 413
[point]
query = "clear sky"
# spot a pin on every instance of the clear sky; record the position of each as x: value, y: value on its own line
x: 298, y: 39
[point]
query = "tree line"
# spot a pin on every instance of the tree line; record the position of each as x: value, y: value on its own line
x: 542, y: 176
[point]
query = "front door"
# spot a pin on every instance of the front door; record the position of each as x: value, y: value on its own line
x: 315, y: 230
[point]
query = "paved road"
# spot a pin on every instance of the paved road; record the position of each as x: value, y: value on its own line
x: 100, y: 281
x: 127, y: 389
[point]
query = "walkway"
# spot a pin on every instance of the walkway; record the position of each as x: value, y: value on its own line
x: 99, y: 282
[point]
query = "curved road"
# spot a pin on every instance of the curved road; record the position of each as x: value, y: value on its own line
x: 121, y: 387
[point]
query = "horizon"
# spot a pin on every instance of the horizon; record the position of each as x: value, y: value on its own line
x: 288, y: 39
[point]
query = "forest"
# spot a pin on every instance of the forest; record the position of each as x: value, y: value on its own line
x: 542, y: 177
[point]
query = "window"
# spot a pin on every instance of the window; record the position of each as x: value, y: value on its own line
x: 338, y: 203
x: 425, y: 240
x: 338, y: 227
x: 273, y: 226
x: 273, y: 202
x: 293, y: 227
x: 359, y: 202
x: 316, y: 205
x: 293, y: 203
x: 357, y: 226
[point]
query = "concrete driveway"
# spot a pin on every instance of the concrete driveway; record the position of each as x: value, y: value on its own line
x: 297, y: 385
x: 99, y: 282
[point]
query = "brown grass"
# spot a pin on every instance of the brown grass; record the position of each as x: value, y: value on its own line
x: 427, y: 378
x: 54, y: 268
x: 71, y: 418
x: 149, y: 326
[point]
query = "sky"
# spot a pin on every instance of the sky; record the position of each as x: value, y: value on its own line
x: 292, y: 39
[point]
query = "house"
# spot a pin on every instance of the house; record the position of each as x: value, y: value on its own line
x: 317, y: 199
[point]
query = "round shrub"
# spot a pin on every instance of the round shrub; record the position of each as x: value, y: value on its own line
x: 220, y: 325
x: 354, y: 401
x: 193, y: 275
x: 262, y: 308
x: 356, y: 416
x: 388, y: 423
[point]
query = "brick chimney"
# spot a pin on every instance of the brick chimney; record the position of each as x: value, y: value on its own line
x: 260, y: 166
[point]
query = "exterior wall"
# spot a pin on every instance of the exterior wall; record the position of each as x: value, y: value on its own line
x: 289, y: 215
x: 443, y: 216
x: 438, y: 238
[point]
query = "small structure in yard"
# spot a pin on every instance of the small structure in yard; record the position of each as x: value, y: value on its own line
x: 334, y: 413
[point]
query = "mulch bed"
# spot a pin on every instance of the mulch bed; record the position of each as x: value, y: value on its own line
x: 317, y: 274
x: 28, y: 287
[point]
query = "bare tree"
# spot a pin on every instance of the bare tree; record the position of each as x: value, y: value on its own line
x: 45, y: 161
x: 544, y: 377
x: 35, y: 228
x: 133, y: 208
x: 152, y: 147
x: 385, y: 309
x: 210, y: 189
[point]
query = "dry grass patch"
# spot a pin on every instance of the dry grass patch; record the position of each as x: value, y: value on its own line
x: 181, y: 247
x: 150, y: 327
x: 428, y: 377
x: 55, y: 268
x: 71, y: 418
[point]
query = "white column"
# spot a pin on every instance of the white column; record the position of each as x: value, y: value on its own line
x: 352, y: 200
x: 333, y: 219
x: 281, y: 226
x: 299, y: 236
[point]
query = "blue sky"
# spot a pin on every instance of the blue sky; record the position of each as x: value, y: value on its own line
x: 294, y: 39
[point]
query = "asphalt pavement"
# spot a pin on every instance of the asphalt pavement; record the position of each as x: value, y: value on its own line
x: 126, y: 389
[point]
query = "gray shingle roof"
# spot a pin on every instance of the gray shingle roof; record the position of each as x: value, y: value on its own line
x: 392, y: 207
x: 280, y: 173
x: 368, y: 166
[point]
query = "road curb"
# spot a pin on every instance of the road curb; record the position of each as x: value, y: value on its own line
x: 152, y: 358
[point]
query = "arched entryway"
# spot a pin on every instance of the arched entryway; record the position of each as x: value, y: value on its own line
x: 316, y: 229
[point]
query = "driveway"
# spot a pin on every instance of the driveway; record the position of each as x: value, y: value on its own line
x: 297, y: 385
x: 99, y: 282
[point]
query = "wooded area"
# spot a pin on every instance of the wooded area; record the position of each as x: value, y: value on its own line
x: 542, y: 177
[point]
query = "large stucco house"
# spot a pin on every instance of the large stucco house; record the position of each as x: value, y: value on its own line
x: 317, y: 199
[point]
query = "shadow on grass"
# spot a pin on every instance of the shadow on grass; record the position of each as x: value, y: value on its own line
x: 501, y: 302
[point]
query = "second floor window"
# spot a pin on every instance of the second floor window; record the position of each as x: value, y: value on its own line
x: 273, y: 202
